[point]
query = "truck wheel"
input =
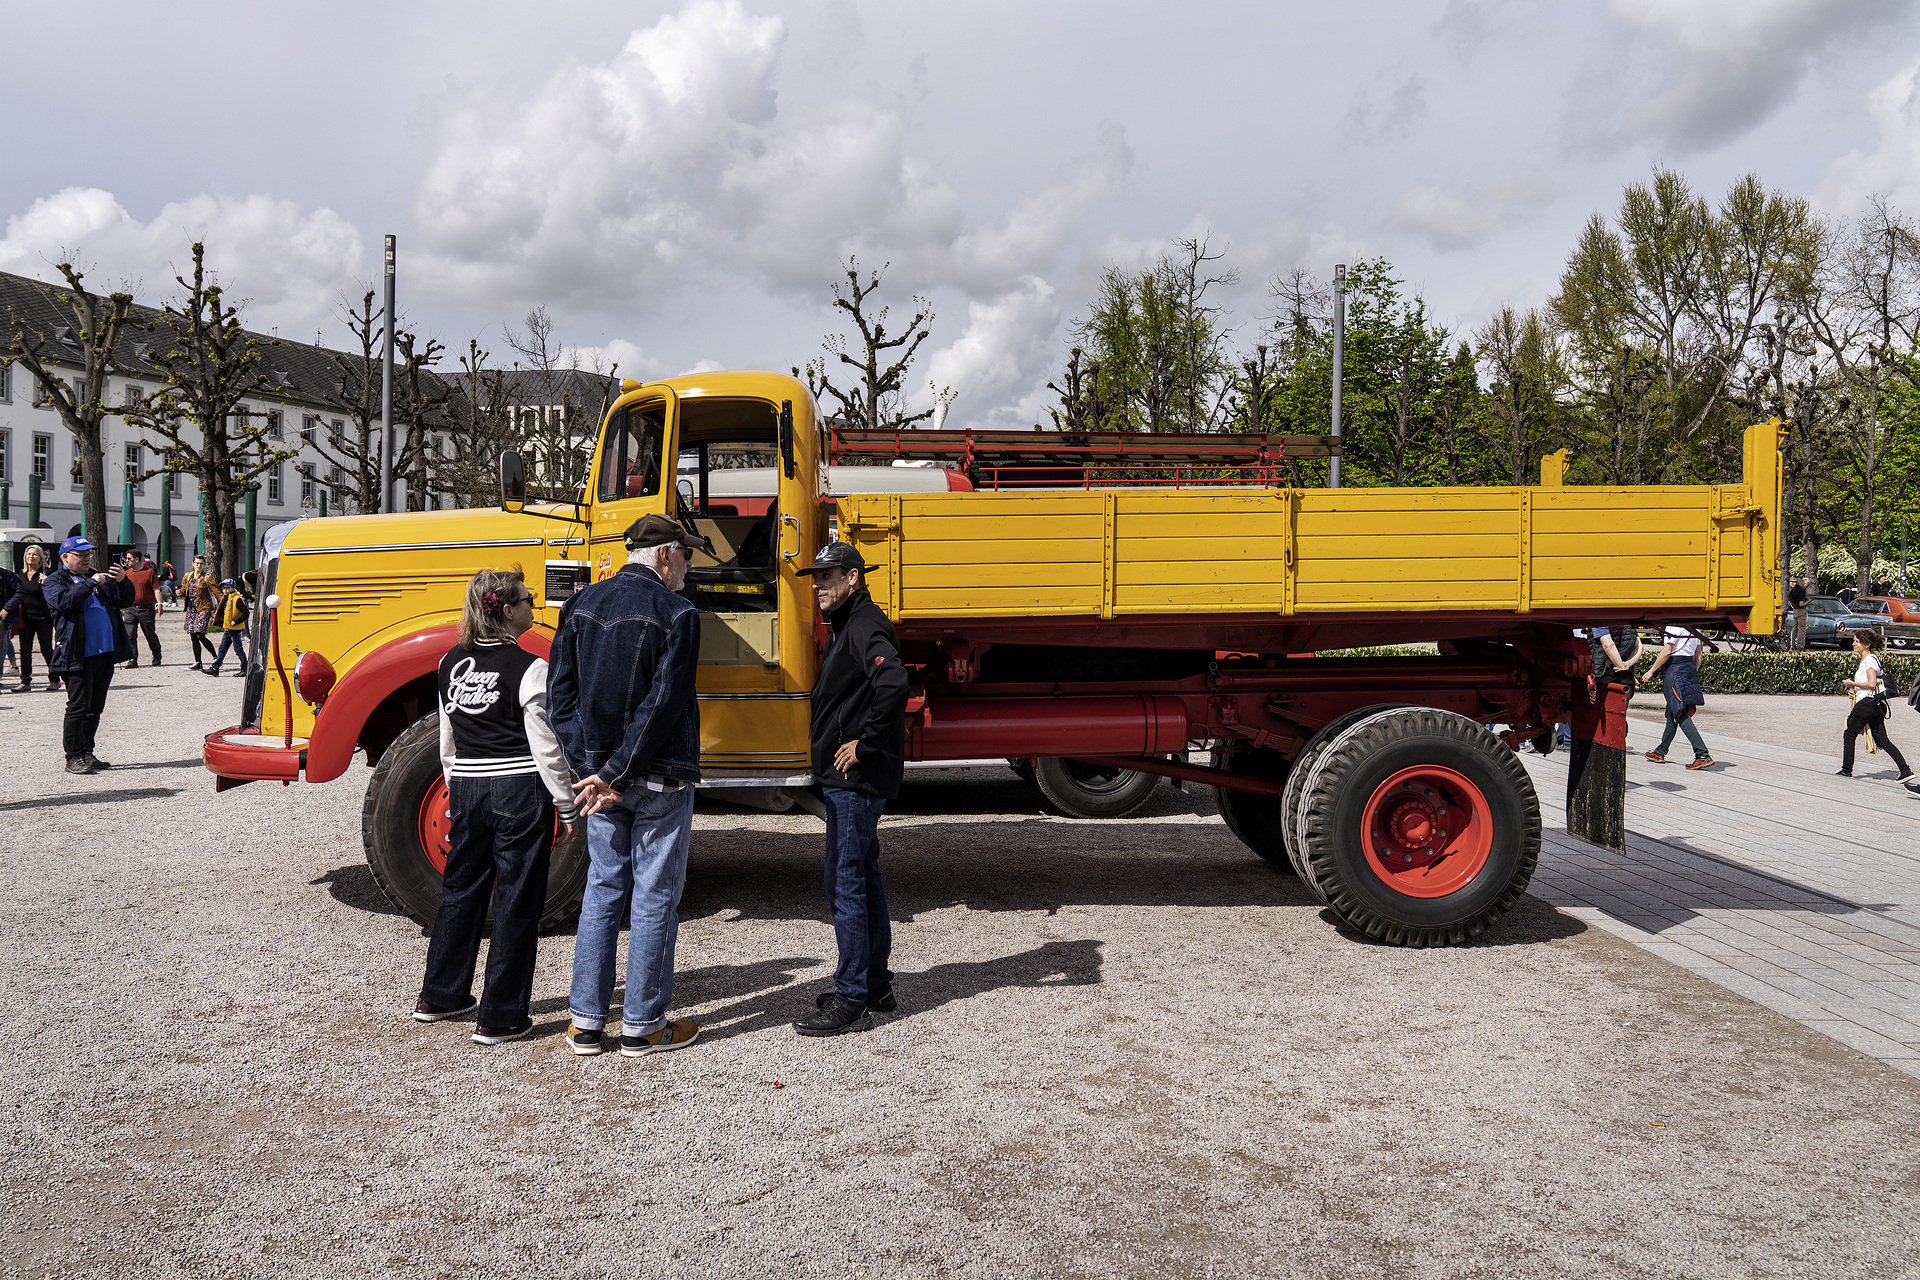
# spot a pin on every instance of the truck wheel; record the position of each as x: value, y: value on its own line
x: 405, y: 829
x: 1420, y: 826
x: 1081, y: 790
x: 1297, y: 780
x: 1254, y: 819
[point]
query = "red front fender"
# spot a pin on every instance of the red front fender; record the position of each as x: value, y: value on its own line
x: 374, y: 679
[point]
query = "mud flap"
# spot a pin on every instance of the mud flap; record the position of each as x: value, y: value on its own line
x: 1597, y: 772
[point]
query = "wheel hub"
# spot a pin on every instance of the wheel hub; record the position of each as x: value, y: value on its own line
x: 436, y: 825
x: 1427, y: 831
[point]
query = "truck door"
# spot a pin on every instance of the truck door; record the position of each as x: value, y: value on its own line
x: 634, y: 476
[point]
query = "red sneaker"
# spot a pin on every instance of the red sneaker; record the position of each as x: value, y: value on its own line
x: 1656, y: 757
x: 1701, y: 762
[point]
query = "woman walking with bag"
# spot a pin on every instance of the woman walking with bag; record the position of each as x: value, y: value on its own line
x: 1869, y: 689
x: 200, y: 598
x: 505, y: 777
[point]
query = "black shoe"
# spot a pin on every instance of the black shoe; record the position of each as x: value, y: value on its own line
x: 241, y: 674
x: 80, y: 764
x: 880, y: 1001
x: 211, y: 671
x: 131, y: 666
x: 1903, y: 777
x: 23, y: 687
x: 196, y: 667
x: 426, y: 1011
x: 97, y: 762
x: 500, y: 1035
x: 835, y: 1018
x: 1843, y: 773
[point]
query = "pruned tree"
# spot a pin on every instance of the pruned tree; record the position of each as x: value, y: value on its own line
x: 352, y: 453
x: 1080, y: 407
x: 480, y: 425
x: 559, y: 404
x: 880, y: 360
x: 80, y: 327
x: 209, y: 366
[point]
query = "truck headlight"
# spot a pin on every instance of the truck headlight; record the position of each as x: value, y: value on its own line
x: 313, y: 678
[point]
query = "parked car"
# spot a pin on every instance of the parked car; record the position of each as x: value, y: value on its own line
x: 1899, y: 608
x: 1827, y: 623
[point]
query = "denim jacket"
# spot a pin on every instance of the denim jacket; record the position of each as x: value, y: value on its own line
x: 620, y: 681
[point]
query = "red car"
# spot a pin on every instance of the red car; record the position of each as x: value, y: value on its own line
x: 1892, y: 608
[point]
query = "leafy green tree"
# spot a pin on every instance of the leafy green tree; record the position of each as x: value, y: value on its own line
x: 1527, y: 377
x: 1157, y: 341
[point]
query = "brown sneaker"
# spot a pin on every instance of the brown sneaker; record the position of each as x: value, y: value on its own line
x: 675, y: 1035
x: 1701, y: 762
x: 1656, y: 757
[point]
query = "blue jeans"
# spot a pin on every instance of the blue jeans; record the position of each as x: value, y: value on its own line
x: 861, y: 927
x: 637, y: 846
x: 231, y: 641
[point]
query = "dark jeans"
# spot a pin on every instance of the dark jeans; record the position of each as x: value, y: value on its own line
x: 235, y: 642
x: 86, y: 699
x: 502, y: 843
x: 854, y: 893
x: 29, y: 629
x: 200, y: 642
x: 143, y: 619
x: 1870, y: 714
x: 1685, y: 725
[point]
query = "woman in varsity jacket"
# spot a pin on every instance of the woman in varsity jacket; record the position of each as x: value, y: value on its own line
x: 506, y: 777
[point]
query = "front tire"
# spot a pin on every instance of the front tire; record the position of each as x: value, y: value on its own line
x: 404, y: 827
x: 1079, y: 789
x: 1420, y: 827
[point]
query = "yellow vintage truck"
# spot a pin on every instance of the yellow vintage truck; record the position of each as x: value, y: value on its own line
x: 1095, y: 609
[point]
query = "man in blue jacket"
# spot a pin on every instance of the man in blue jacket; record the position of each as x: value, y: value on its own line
x: 88, y: 639
x: 620, y: 692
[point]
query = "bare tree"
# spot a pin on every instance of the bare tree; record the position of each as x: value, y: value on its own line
x: 210, y: 365
x: 85, y: 329
x: 874, y: 399
x: 559, y: 403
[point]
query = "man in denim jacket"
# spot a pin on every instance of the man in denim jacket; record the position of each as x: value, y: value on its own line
x: 620, y: 693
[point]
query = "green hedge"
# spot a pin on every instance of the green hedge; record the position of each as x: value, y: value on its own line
x: 1787, y: 672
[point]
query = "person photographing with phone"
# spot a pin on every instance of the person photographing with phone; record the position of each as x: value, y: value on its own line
x: 88, y: 639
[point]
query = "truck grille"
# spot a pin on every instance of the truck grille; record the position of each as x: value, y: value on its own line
x: 330, y: 599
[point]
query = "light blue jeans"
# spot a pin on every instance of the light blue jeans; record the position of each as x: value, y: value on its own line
x: 637, y: 845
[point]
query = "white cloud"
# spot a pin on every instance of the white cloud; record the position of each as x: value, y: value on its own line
x: 672, y: 163
x: 1892, y: 168
x: 1464, y: 217
x: 1690, y: 74
x: 1000, y: 358
x: 289, y: 265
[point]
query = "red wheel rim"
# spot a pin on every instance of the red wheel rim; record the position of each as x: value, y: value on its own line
x: 436, y: 828
x: 1427, y: 831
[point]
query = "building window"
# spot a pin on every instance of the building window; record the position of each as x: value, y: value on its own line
x: 42, y: 396
x: 135, y: 395
x: 134, y: 468
x: 274, y: 425
x: 309, y: 428
x: 6, y: 455
x: 339, y: 430
x: 306, y: 489
x: 273, y: 483
x: 6, y: 382
x: 43, y: 457
x: 74, y: 473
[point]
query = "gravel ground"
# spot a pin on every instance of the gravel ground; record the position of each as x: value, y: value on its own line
x: 1124, y: 1048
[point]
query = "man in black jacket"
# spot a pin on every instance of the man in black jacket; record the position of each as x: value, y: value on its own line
x: 859, y: 753
x: 88, y: 640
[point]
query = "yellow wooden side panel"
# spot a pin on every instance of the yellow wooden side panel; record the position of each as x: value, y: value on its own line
x: 1202, y: 552
x: 1408, y: 549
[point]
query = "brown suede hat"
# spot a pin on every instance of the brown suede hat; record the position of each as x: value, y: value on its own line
x: 658, y: 531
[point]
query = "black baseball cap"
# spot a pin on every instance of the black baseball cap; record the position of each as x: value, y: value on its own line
x: 657, y: 531
x: 835, y: 555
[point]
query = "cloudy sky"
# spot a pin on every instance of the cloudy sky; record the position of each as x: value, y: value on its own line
x: 677, y: 182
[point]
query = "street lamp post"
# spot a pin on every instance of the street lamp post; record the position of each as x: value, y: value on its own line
x: 386, y: 394
x: 1339, y: 364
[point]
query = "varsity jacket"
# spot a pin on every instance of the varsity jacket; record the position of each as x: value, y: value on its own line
x: 493, y: 718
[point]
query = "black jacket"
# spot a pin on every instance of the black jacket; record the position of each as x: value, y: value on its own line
x: 861, y: 693
x: 67, y: 600
x: 13, y: 598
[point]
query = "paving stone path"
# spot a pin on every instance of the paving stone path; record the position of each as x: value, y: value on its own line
x: 1765, y: 874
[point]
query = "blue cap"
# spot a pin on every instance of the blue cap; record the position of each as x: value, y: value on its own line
x: 75, y: 543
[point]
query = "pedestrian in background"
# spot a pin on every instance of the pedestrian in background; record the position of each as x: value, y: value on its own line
x: 169, y: 584
x: 1869, y: 690
x: 145, y: 581
x: 202, y: 596
x: 505, y: 776
x: 1848, y: 595
x: 12, y: 599
x: 859, y: 755
x: 621, y: 695
x: 1677, y: 666
x: 36, y: 621
x: 233, y: 621
x: 1797, y: 601
x: 88, y: 640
